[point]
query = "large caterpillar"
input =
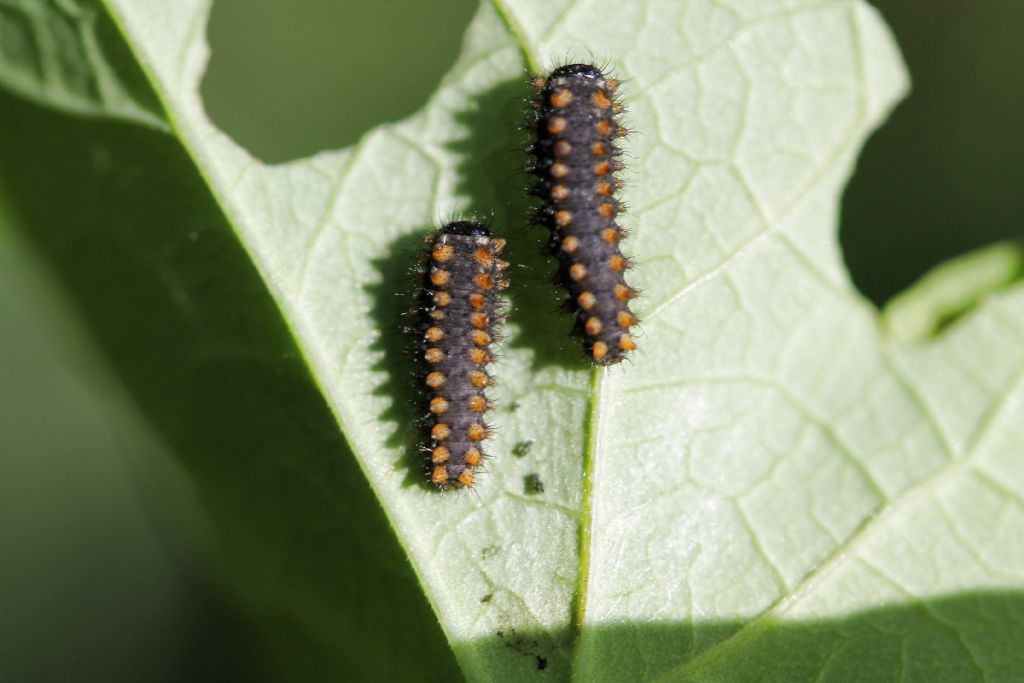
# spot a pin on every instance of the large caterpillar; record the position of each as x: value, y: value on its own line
x: 459, y: 312
x: 576, y: 160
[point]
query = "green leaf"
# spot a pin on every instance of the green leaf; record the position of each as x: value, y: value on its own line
x: 952, y: 289
x: 772, y: 488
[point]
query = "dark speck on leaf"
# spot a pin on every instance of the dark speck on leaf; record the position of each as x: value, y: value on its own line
x: 521, y: 449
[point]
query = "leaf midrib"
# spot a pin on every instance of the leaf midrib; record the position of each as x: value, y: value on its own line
x: 592, y: 425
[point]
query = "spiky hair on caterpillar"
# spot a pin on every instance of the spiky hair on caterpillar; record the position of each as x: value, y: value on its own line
x: 459, y: 312
x: 576, y: 123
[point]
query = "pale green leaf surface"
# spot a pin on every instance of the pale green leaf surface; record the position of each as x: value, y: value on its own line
x: 767, y: 459
x: 950, y: 289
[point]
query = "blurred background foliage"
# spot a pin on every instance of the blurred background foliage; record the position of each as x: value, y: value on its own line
x: 102, y: 585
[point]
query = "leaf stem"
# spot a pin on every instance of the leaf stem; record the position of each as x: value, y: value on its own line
x: 517, y: 34
x: 591, y: 446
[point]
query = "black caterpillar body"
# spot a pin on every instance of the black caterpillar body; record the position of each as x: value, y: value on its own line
x: 575, y: 121
x: 459, y: 312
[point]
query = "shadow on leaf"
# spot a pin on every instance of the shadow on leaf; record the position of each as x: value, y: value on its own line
x: 133, y: 233
x: 491, y: 175
x: 961, y: 637
x: 392, y: 311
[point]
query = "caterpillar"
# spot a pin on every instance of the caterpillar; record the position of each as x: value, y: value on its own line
x: 575, y: 125
x: 459, y: 312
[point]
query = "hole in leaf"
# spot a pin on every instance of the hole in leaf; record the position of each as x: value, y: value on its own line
x: 942, y: 177
x: 289, y: 79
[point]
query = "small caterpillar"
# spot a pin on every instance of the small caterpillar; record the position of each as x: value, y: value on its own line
x: 458, y: 315
x: 576, y: 161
